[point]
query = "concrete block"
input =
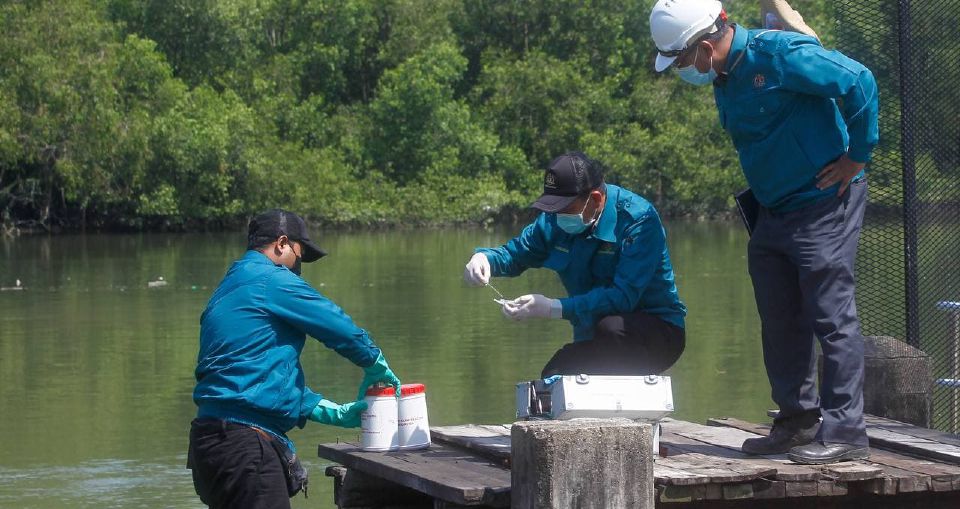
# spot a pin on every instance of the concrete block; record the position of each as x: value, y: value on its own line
x: 583, y: 463
x: 897, y: 382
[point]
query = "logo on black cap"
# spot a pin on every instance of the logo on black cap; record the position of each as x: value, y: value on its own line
x: 550, y: 180
x: 571, y: 175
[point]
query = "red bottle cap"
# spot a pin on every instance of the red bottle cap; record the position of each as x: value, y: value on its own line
x: 379, y: 390
x: 411, y: 389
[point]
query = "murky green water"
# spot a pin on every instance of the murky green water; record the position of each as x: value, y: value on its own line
x: 96, y: 367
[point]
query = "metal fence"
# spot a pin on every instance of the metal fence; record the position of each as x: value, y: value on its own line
x: 908, y: 269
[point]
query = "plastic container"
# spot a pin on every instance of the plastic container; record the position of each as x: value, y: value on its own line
x: 378, y: 423
x: 413, y: 424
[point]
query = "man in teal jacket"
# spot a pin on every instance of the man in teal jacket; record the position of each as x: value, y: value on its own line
x: 804, y: 122
x: 250, y: 385
x: 609, y: 248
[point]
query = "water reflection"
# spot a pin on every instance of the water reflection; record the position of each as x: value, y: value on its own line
x: 96, y: 365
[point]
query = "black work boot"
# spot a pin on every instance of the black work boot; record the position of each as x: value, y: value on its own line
x: 819, y: 453
x: 785, y: 435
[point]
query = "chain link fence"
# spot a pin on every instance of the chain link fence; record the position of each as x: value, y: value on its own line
x: 908, y: 270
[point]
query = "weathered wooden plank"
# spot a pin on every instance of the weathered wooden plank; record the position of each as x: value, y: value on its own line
x: 471, y: 430
x: 729, y: 437
x: 893, y: 479
x: 713, y: 491
x: 913, y: 445
x: 764, y: 489
x: 944, y: 485
x: 904, y: 428
x: 852, y: 471
x: 801, y: 489
x: 739, y: 491
x: 699, y: 473
x: 900, y: 436
x: 828, y: 488
x: 899, y: 473
x: 718, y: 470
x: 786, y: 471
x: 674, y: 493
x: 914, y: 483
x: 443, y: 472
x: 883, y: 485
x: 732, y: 437
x: 490, y: 441
x: 938, y: 471
x: 494, y: 442
x: 706, y: 438
x: 665, y: 473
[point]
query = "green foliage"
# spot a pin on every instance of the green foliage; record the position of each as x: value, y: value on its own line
x: 188, y: 113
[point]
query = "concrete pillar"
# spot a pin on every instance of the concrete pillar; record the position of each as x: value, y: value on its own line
x: 583, y: 463
x: 898, y: 381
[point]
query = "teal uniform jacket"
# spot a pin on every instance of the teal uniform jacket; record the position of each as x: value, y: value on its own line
x: 620, y: 266
x: 791, y: 107
x: 251, y: 336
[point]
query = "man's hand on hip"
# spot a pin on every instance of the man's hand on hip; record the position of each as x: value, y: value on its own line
x: 842, y: 170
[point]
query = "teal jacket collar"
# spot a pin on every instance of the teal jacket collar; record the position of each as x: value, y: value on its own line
x: 606, y: 225
x: 252, y: 255
x: 737, y: 46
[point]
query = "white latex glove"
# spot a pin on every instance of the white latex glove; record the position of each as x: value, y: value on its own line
x: 532, y: 306
x: 477, y: 271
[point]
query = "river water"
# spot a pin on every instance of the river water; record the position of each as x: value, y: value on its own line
x: 96, y: 363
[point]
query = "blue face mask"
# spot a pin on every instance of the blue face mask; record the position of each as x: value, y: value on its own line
x: 298, y: 263
x: 574, y: 223
x: 297, y: 266
x: 693, y: 76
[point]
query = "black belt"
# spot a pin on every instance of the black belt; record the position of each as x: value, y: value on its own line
x: 210, y: 423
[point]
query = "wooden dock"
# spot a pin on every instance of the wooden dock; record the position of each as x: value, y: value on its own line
x: 700, y: 466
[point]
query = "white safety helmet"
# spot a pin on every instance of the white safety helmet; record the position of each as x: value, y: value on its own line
x: 676, y: 23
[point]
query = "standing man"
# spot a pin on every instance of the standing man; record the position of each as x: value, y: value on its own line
x: 250, y: 385
x: 610, y: 251
x: 804, y: 122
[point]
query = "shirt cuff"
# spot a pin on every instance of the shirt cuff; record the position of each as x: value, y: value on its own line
x: 556, y: 308
x: 860, y: 155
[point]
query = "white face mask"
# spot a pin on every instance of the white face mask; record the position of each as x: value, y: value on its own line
x: 692, y: 75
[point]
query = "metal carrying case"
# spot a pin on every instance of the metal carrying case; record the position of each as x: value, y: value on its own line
x: 632, y: 397
x: 648, y: 398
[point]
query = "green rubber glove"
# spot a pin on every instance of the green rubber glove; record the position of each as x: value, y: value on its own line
x: 378, y: 372
x: 346, y: 415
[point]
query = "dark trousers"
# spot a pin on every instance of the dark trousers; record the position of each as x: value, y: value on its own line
x: 801, y: 264
x: 634, y: 343
x: 235, y: 466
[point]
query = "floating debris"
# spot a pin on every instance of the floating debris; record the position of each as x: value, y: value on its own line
x: 156, y: 284
x: 11, y: 288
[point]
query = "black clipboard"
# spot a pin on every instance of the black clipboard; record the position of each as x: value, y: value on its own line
x: 749, y: 208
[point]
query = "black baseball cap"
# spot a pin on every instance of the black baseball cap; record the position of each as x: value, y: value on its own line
x: 270, y: 225
x: 571, y: 175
